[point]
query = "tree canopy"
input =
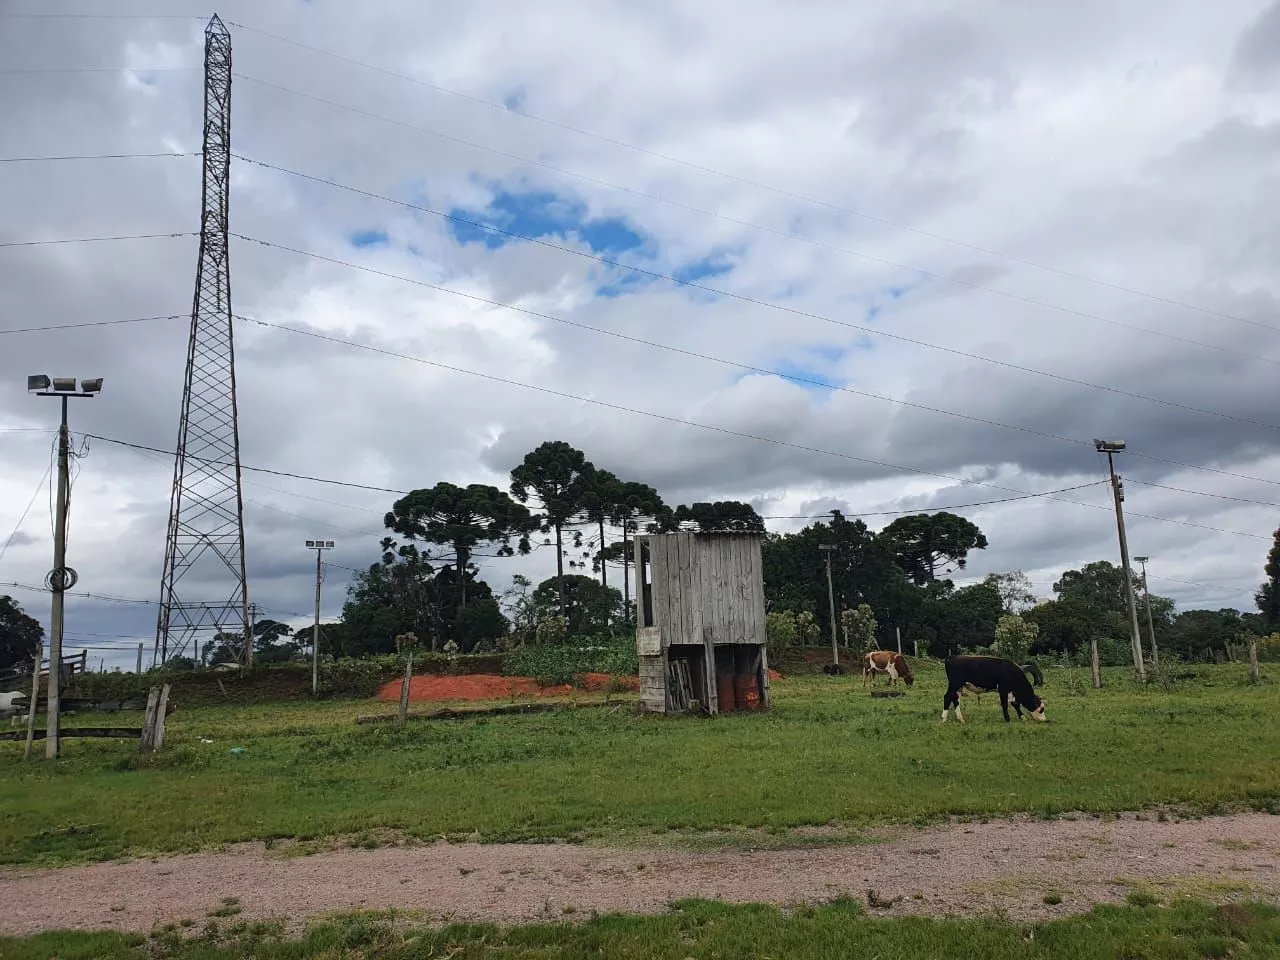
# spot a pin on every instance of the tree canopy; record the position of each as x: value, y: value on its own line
x: 925, y: 541
x: 20, y: 634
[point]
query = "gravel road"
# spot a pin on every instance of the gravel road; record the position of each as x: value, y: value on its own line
x: 1008, y: 865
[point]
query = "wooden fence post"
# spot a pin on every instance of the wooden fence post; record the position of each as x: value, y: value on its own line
x: 404, y: 688
x: 35, y: 695
x: 162, y: 712
x: 153, y: 724
x: 1254, y: 673
x: 149, y: 721
x: 1094, y: 665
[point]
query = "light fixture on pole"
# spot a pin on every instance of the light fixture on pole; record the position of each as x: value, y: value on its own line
x: 61, y: 578
x: 1146, y: 594
x: 319, y: 546
x: 1110, y: 448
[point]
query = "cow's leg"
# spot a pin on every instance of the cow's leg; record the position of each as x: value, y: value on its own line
x: 1004, y: 704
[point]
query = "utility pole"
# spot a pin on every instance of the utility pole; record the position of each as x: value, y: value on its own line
x: 831, y: 604
x: 319, y: 546
x: 1110, y: 448
x: 61, y: 578
x: 1146, y: 594
x: 139, y: 659
x: 248, y: 640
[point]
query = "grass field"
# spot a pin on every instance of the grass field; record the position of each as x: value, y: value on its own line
x: 708, y: 930
x: 827, y: 754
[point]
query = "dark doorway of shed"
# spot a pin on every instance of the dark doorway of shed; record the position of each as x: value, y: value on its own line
x: 738, y: 676
x: 687, y: 676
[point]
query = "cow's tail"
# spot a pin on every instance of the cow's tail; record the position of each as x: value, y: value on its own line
x: 1033, y: 671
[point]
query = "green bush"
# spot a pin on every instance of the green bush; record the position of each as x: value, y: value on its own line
x: 559, y: 663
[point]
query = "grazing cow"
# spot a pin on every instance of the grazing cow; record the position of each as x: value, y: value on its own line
x: 983, y: 674
x: 887, y: 661
x: 1031, y: 669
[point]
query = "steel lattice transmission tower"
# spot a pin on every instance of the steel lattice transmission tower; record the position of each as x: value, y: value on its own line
x: 204, y: 586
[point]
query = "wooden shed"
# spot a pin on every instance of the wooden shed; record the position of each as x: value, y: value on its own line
x: 700, y: 630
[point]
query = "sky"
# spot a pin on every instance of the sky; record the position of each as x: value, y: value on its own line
x: 875, y: 257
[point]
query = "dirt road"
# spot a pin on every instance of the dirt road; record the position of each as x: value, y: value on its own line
x: 1009, y: 864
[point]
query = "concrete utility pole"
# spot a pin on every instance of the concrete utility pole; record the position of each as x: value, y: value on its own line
x: 1146, y: 594
x: 1110, y: 448
x: 319, y: 546
x: 61, y: 578
x: 248, y: 641
x: 827, y: 548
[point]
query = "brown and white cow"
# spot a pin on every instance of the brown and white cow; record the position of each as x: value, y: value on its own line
x: 887, y: 661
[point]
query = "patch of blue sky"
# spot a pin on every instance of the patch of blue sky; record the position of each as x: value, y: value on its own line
x: 542, y: 213
x: 360, y: 239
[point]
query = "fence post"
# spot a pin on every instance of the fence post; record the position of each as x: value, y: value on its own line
x: 147, y: 742
x: 404, y: 688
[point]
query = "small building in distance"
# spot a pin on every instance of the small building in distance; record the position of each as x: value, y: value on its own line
x: 700, y: 622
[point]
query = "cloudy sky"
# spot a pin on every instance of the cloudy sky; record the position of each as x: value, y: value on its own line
x: 935, y: 248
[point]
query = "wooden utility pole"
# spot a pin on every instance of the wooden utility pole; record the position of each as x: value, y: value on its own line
x: 1111, y: 447
x: 139, y: 659
x: 831, y: 604
x: 1151, y: 630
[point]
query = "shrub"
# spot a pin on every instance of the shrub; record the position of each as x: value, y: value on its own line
x: 561, y: 663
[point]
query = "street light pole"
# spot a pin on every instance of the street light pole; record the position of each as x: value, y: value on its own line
x: 319, y: 546
x: 1146, y: 594
x: 61, y: 578
x: 1111, y: 447
x: 831, y: 604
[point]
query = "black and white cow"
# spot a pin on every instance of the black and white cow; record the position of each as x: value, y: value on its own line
x: 983, y: 674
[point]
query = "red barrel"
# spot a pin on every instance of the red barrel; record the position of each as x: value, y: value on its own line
x: 746, y: 692
x: 724, y: 690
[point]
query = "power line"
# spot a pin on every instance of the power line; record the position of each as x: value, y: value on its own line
x: 101, y: 16
x: 30, y: 503
x: 70, y: 593
x: 69, y: 70
x: 892, y: 336
x: 505, y: 108
x: 1202, y: 493
x: 278, y: 473
x: 96, y: 156
x: 722, y: 430
x: 956, y: 506
x: 136, y: 236
x: 743, y: 298
x: 662, y: 346
x: 92, y: 323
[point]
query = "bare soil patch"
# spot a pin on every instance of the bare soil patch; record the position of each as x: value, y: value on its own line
x: 1013, y: 866
x: 483, y: 686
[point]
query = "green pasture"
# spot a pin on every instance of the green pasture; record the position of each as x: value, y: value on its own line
x: 828, y: 754
x: 697, y: 929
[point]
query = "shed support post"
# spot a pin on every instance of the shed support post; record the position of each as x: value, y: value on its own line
x: 713, y: 694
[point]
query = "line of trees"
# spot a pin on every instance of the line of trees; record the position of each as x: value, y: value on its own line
x: 426, y: 580
x: 895, y: 581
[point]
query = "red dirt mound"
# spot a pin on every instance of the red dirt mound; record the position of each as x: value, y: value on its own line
x: 478, y: 686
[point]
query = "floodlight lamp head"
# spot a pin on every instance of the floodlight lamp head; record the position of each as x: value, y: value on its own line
x: 1108, y: 446
x: 39, y: 381
x: 91, y: 386
x: 1141, y: 559
x: 64, y: 384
